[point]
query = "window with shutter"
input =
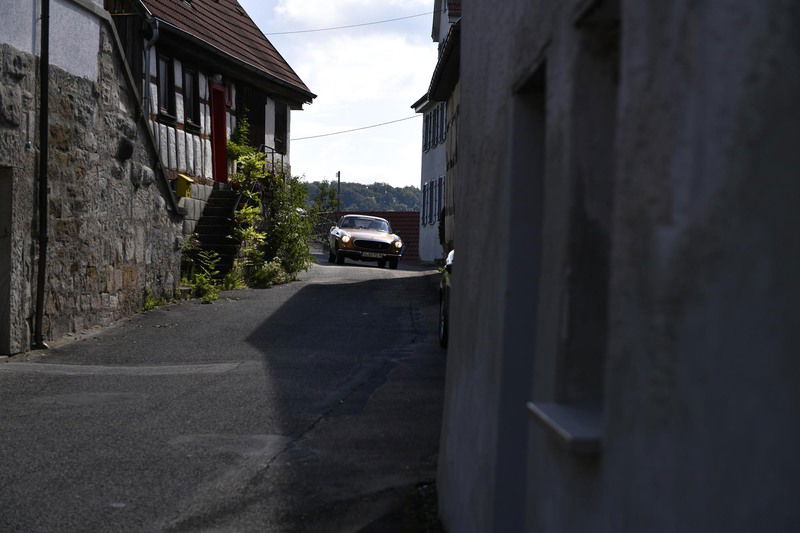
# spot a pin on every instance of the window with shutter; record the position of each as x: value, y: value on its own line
x: 166, y: 86
x: 426, y: 119
x: 191, y: 97
x: 430, y: 202
x: 424, y: 203
x: 440, y: 193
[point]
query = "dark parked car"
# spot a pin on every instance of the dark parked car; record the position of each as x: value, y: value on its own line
x: 444, y: 299
x: 364, y: 238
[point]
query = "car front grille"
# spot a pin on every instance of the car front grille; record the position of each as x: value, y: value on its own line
x: 372, y: 245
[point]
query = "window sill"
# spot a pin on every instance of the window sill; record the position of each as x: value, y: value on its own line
x: 576, y: 427
x: 166, y: 118
x: 191, y: 127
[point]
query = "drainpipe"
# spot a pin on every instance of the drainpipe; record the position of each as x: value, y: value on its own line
x: 44, y: 90
x: 148, y: 45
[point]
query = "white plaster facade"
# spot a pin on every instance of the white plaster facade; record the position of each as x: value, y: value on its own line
x: 433, y: 181
x: 71, y: 27
x: 626, y: 362
x: 188, y: 150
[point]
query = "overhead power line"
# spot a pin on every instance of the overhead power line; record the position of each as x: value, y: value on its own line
x: 351, y: 25
x: 356, y: 129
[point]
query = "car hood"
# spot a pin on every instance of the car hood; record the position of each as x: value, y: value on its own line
x: 371, y: 235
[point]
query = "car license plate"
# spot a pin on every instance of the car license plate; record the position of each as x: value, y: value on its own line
x: 372, y: 254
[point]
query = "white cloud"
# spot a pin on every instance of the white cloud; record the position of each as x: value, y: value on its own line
x: 325, y: 13
x: 366, y: 69
x: 362, y: 80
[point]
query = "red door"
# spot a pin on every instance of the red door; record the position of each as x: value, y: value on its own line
x: 219, y: 140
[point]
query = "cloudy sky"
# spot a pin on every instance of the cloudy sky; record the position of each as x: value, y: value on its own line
x: 362, y: 76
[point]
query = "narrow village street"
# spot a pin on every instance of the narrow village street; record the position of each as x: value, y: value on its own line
x: 312, y: 406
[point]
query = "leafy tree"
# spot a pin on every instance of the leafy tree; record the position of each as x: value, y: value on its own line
x: 324, y: 197
x: 374, y: 197
x: 289, y: 225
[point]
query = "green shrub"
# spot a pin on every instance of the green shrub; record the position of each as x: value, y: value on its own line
x: 290, y: 226
x: 232, y: 281
x: 271, y: 224
x: 203, y: 279
x: 268, y: 274
x: 151, y: 302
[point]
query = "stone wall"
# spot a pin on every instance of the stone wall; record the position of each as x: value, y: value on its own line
x: 112, y: 237
x: 17, y: 139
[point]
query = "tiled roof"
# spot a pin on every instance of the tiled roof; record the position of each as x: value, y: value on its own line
x: 226, y: 26
x: 446, y: 73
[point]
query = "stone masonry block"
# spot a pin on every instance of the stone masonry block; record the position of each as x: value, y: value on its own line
x: 17, y: 65
x: 190, y: 154
x: 162, y: 142
x: 140, y: 244
x: 180, y: 138
x: 204, y: 191
x: 191, y: 213
x: 198, y: 156
x: 10, y: 105
x: 148, y: 176
x: 189, y: 226
x: 207, y: 159
x: 171, y: 151
x: 136, y: 174
x: 153, y: 98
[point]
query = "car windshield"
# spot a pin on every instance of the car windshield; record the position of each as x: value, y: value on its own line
x: 365, y: 223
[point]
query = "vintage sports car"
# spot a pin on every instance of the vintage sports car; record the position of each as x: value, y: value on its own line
x: 364, y: 238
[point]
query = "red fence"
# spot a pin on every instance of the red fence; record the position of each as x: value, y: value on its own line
x: 405, y: 224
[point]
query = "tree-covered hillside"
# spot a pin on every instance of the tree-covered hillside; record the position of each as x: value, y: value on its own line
x: 360, y: 197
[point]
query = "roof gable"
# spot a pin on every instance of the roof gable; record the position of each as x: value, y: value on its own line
x: 226, y: 26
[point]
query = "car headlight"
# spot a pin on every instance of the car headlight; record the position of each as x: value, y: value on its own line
x: 345, y: 238
x: 398, y: 244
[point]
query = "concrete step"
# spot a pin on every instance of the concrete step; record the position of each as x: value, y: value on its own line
x: 224, y: 191
x: 214, y: 229
x: 215, y: 221
x: 221, y: 249
x: 217, y: 211
x: 217, y: 240
x: 222, y: 202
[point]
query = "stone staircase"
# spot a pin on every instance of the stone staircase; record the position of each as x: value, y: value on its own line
x: 215, y: 228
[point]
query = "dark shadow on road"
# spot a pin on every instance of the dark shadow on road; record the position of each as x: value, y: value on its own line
x: 356, y: 380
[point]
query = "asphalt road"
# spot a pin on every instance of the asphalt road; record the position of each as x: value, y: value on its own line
x: 313, y: 406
